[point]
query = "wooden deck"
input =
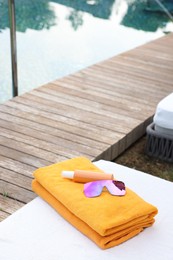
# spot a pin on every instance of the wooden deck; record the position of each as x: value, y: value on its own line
x: 97, y: 112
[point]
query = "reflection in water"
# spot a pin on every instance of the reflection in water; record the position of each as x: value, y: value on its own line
x: 35, y: 15
x: 98, y: 8
x: 54, y: 40
x: 38, y: 15
x: 160, y: 5
x: 140, y: 17
x: 75, y: 17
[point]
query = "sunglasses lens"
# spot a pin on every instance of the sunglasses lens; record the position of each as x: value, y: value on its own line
x: 94, y: 189
x: 119, y: 184
x: 116, y: 188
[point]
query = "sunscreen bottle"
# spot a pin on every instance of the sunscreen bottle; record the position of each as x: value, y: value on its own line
x: 86, y: 176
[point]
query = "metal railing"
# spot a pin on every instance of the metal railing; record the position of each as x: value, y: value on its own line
x: 12, y: 18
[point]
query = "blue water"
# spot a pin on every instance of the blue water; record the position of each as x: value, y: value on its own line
x: 58, y: 38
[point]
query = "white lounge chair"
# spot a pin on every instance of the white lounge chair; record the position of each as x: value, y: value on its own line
x: 38, y: 232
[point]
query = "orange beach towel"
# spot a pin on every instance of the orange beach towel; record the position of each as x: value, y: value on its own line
x: 107, y: 220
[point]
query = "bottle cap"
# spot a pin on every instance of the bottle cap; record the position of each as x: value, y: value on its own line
x: 67, y: 174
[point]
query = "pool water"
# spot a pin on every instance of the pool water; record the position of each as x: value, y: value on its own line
x: 57, y: 38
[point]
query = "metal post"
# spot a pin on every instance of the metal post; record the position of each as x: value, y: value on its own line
x: 11, y: 6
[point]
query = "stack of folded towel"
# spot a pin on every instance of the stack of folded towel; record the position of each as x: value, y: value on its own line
x: 107, y: 220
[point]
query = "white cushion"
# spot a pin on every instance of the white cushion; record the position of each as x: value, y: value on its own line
x: 163, y: 118
x: 163, y: 131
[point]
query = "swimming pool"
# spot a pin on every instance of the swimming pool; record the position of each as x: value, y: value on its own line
x: 57, y: 38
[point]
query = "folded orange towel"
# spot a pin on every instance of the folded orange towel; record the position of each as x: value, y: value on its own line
x: 107, y: 220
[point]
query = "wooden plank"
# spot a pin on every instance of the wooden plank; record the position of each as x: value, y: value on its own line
x: 19, y: 156
x: 120, y: 88
x: 115, y: 106
x: 16, y: 192
x: 88, y: 132
x: 8, y: 205
x: 145, y: 64
x: 48, y: 136
x: 48, y: 157
x: 16, y: 166
x: 3, y: 215
x: 120, y: 80
x: 141, y: 72
x: 71, y: 115
x: 139, y: 59
x: 15, y: 178
x: 50, y: 151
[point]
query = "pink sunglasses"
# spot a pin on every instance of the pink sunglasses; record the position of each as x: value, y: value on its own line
x: 94, y: 188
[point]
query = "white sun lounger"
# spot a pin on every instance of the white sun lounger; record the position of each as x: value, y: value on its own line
x: 160, y: 131
x: 163, y: 118
x: 38, y: 232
